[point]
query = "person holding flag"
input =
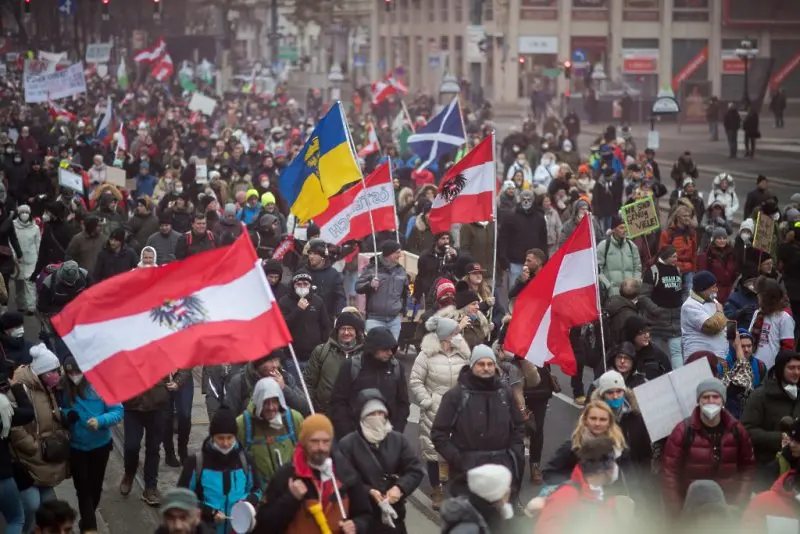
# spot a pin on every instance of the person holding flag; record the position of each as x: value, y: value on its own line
x: 385, y: 283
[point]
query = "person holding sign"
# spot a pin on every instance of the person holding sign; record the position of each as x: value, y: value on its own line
x: 709, y: 445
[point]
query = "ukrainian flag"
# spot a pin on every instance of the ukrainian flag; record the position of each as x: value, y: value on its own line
x: 325, y: 165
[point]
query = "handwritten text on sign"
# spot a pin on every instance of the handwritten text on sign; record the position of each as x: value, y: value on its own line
x: 641, y: 217
x: 765, y: 226
x: 55, y: 85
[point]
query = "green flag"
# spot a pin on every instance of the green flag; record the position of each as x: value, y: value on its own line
x: 122, y: 75
x: 402, y: 140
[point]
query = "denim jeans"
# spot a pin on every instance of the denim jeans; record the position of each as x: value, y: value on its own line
x: 713, y: 129
x: 181, y: 408
x: 671, y: 347
x: 11, y: 506
x: 289, y: 367
x: 149, y: 425
x: 32, y: 498
x: 391, y: 324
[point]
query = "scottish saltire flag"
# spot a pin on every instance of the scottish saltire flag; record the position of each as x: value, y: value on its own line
x: 326, y: 163
x: 443, y: 134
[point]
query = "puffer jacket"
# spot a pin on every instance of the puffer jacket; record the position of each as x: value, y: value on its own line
x: 29, y: 240
x: 733, y: 470
x: 763, y: 411
x: 434, y: 373
x: 617, y: 262
x: 685, y: 242
x: 727, y: 198
x: 390, y: 298
x: 778, y: 501
x: 87, y: 407
x: 554, y: 225
x: 722, y: 264
x: 323, y: 368
x: 26, y: 440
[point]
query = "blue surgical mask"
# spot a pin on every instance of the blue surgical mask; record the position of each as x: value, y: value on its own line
x: 615, y: 404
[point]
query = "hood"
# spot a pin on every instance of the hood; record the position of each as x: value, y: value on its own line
x: 785, y: 484
x: 633, y: 325
x: 23, y: 225
x: 617, y: 302
x: 155, y: 257
x: 747, y: 224
x: 431, y: 346
x: 459, y: 510
x: 718, y: 178
x: 367, y: 395
x: 268, y: 388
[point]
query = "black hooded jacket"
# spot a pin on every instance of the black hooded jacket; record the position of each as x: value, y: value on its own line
x: 466, y: 513
x: 387, y: 377
x: 309, y: 327
x: 522, y: 231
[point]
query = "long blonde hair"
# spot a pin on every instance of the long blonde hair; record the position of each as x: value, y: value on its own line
x: 484, y: 290
x: 614, y: 431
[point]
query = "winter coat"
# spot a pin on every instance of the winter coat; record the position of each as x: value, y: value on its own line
x: 741, y: 305
x: 684, y: 239
x: 26, y: 441
x: 434, y: 373
x: 522, y: 231
x: 506, y: 206
x: 778, y: 501
x: 190, y: 244
x: 308, y: 327
x: 421, y: 238
x: 477, y: 241
x: 389, y: 300
x: 110, y: 263
x: 789, y: 257
x: 733, y: 469
x: 240, y: 387
x: 56, y: 237
x: 486, y: 427
x: 727, y: 198
x: 660, y: 300
x: 619, y: 310
x: 571, y: 224
x: 431, y: 265
x: 652, y: 362
x: 554, y: 226
x: 216, y: 379
x: 223, y: 481
x: 23, y: 415
x: 763, y: 411
x: 478, y: 330
x: 29, y: 240
x: 164, y: 245
x: 732, y: 120
x: 156, y: 398
x: 16, y: 350
x: 87, y: 407
x: 722, y: 264
x: 329, y: 285
x: 323, y: 368
x: 617, y: 261
x: 84, y: 249
x: 393, y: 462
x: 387, y: 377
x: 607, y: 195
x: 264, y: 443
x: 142, y: 227
x: 466, y: 513
x: 10, y: 244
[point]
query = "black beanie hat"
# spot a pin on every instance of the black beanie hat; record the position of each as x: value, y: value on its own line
x: 224, y: 422
x: 389, y: 247
x: 273, y: 266
x: 633, y: 326
x: 11, y: 320
x: 165, y: 217
x: 118, y: 235
x: 464, y: 295
x: 350, y: 319
x: 783, y: 358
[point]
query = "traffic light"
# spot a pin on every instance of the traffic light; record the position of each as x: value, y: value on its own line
x: 521, y: 60
x: 27, y: 7
x: 156, y: 8
x: 388, y: 5
x: 104, y: 10
x: 568, y: 69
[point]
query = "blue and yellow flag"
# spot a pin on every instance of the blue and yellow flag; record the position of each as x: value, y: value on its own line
x: 321, y: 169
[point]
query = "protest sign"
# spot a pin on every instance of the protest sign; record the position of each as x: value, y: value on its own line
x: 98, y: 53
x: 765, y: 226
x: 202, y: 103
x: 67, y: 178
x: 201, y: 174
x: 34, y: 67
x: 115, y: 176
x: 641, y: 217
x: 670, y: 398
x: 55, y: 85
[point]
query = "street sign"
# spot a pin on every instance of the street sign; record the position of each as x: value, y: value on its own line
x: 288, y: 53
x: 359, y: 61
x: 66, y: 7
x: 578, y: 55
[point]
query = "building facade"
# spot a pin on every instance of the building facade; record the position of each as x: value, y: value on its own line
x: 650, y: 44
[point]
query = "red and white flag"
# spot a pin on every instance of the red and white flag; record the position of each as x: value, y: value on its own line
x: 372, y: 145
x: 347, y: 216
x: 561, y: 296
x: 59, y: 113
x: 132, y: 330
x: 383, y: 89
x: 466, y: 194
x: 122, y: 139
x: 163, y: 69
x: 153, y: 54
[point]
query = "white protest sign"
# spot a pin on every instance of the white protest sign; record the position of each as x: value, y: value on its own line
x: 70, y: 179
x: 201, y: 176
x: 202, y: 103
x: 98, y: 53
x: 782, y: 525
x: 671, y: 398
x: 115, y: 176
x: 34, y: 67
x: 55, y: 85
x: 53, y: 57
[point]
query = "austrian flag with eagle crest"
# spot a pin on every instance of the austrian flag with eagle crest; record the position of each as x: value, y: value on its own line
x: 180, y: 313
x: 449, y: 190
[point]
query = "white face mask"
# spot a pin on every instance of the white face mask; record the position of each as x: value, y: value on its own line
x: 276, y: 422
x: 791, y: 390
x: 507, y: 511
x: 265, y: 184
x: 17, y: 332
x: 568, y: 149
x: 76, y: 379
x: 710, y: 411
x: 547, y: 162
x: 614, y: 473
x: 746, y: 236
x: 179, y: 190
x: 302, y: 292
x: 712, y: 297
x: 24, y: 217
x: 224, y: 451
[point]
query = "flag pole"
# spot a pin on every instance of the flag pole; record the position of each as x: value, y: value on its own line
x: 394, y: 205
x: 408, y: 116
x: 494, y: 217
x: 597, y: 290
x: 461, y: 116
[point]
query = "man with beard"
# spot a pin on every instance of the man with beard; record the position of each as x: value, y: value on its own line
x: 437, y: 261
x: 165, y: 241
x: 327, y: 281
x: 526, y: 229
x: 294, y: 494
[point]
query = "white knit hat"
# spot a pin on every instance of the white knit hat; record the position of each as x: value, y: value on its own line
x: 490, y: 482
x: 372, y: 406
x: 610, y: 380
x: 44, y: 360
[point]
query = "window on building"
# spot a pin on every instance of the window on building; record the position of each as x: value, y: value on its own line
x: 431, y: 14
x: 403, y: 9
x: 458, y: 63
x: 459, y: 14
x: 488, y: 11
x: 444, y: 43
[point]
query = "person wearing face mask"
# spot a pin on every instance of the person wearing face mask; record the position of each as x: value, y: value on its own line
x: 546, y: 172
x: 221, y: 474
x: 521, y: 165
x: 702, y: 321
x: 385, y: 462
x: 480, y: 504
x: 709, y: 445
x: 268, y: 429
x: 12, y: 339
x: 43, y: 468
x: 306, y: 316
x: 526, y: 229
x: 29, y: 239
x: 89, y: 421
x: 270, y: 206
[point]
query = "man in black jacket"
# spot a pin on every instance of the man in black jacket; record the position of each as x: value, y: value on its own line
x: 534, y: 261
x: 435, y: 262
x: 115, y: 257
x: 757, y: 196
x: 306, y: 316
x: 328, y: 282
x: 732, y: 123
x: 478, y: 422
x: 385, y: 462
x: 376, y: 368
x: 308, y: 479
x: 524, y: 230
x: 196, y: 240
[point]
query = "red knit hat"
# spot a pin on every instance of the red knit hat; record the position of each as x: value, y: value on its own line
x: 445, y: 289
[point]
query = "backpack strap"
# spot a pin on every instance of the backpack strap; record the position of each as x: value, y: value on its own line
x: 688, y: 438
x: 188, y: 238
x: 248, y: 429
x: 198, y: 475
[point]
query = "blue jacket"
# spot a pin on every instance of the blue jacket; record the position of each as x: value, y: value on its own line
x: 224, y: 480
x: 82, y: 437
x: 248, y: 214
x: 145, y: 185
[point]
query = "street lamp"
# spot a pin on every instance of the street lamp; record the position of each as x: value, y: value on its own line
x: 335, y: 79
x: 448, y: 88
x: 746, y: 53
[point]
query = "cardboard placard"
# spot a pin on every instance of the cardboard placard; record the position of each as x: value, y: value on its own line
x: 203, y: 104
x: 201, y: 176
x: 641, y: 217
x: 765, y: 228
x: 98, y: 52
x: 130, y: 184
x: 72, y: 180
x: 116, y: 176
x: 55, y: 85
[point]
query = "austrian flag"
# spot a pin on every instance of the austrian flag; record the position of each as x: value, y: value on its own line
x: 130, y: 331
x: 561, y: 296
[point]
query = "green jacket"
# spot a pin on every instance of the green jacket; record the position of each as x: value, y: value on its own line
x: 617, y: 262
x: 323, y: 368
x: 269, y: 448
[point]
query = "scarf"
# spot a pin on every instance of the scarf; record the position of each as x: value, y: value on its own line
x: 375, y: 428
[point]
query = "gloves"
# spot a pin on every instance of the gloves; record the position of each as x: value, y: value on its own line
x: 72, y: 417
x: 388, y: 515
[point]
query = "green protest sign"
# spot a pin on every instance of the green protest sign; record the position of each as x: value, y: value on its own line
x: 641, y: 217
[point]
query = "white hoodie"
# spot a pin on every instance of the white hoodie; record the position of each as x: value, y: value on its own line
x: 141, y: 258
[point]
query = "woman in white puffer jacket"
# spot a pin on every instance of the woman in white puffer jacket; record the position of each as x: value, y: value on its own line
x: 29, y: 238
x: 723, y: 191
x: 443, y: 353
